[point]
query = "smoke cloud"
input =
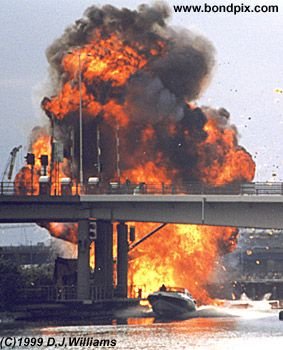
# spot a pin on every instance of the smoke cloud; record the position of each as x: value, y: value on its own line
x: 167, y: 81
x: 137, y: 80
x: 140, y: 76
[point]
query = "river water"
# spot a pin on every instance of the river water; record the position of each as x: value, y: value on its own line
x: 214, y: 328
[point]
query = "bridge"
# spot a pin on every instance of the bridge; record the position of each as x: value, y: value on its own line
x: 256, y: 211
x: 257, y: 205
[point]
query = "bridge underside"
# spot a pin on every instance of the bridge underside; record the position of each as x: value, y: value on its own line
x: 226, y: 210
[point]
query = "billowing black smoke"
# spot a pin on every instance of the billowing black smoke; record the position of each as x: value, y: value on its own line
x: 156, y: 94
x: 161, y: 88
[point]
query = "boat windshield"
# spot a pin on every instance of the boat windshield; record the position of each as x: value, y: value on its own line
x: 178, y: 290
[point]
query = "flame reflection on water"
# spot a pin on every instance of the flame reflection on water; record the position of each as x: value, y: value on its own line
x: 215, y: 328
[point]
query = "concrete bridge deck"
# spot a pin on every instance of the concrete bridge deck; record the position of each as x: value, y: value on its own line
x: 257, y: 211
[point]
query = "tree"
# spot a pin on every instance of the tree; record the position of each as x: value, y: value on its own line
x: 11, y: 282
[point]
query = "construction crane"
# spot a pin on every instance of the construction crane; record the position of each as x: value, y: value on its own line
x: 11, y: 163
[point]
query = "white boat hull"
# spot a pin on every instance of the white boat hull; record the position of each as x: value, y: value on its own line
x: 166, y: 304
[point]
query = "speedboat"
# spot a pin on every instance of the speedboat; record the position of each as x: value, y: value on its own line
x: 171, y: 302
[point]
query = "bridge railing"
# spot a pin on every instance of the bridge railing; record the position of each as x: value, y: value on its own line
x: 250, y: 188
x: 48, y: 294
x: 63, y: 293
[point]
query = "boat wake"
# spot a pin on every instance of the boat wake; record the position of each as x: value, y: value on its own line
x: 244, y: 308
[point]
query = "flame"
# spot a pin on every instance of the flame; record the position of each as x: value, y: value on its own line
x: 103, y: 62
x: 27, y: 180
x: 147, y: 173
x: 198, y: 145
x: 42, y: 146
x: 64, y: 231
x: 107, y: 59
x: 179, y: 255
x: 230, y: 163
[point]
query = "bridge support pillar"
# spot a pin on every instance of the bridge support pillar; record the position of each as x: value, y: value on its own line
x: 104, y: 258
x: 122, y: 260
x: 83, y: 270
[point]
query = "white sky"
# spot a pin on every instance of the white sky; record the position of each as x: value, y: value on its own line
x: 249, y: 67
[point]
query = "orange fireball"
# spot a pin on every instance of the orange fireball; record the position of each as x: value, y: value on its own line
x: 132, y: 80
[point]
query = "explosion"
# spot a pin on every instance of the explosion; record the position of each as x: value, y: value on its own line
x: 180, y: 255
x: 136, y: 76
